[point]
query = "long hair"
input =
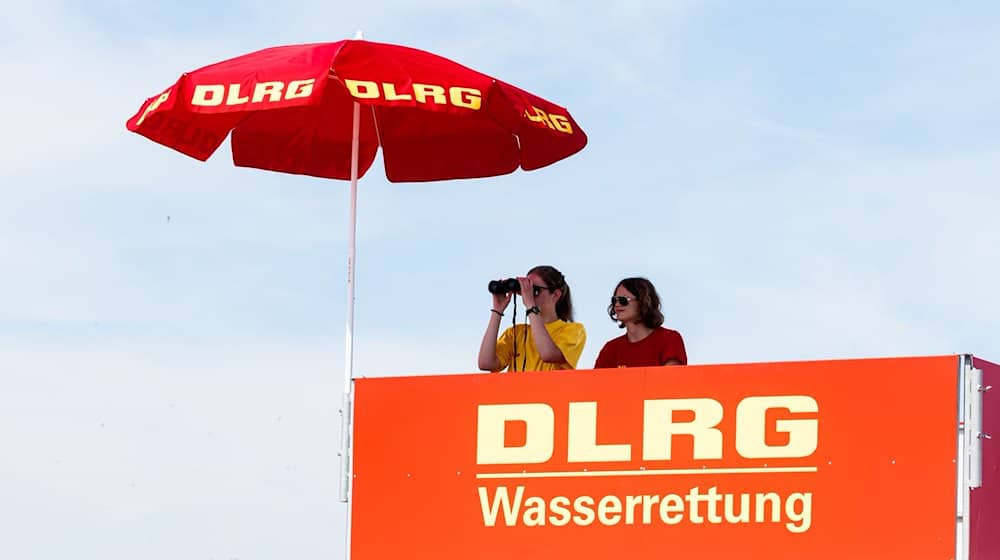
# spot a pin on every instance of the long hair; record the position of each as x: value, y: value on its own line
x: 556, y: 281
x: 649, y: 302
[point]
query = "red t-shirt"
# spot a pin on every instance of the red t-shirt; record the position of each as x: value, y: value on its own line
x: 656, y: 349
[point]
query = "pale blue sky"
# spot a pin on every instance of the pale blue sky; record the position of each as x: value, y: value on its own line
x: 800, y: 182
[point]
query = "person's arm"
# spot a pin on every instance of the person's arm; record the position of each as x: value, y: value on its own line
x: 675, y: 350
x: 488, y: 360
x: 546, y: 347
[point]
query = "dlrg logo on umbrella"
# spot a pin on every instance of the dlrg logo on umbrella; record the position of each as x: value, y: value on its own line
x: 211, y: 95
x: 457, y: 96
x: 466, y: 97
x: 555, y: 122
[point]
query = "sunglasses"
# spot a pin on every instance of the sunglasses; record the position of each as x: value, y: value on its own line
x: 621, y: 300
x: 536, y: 290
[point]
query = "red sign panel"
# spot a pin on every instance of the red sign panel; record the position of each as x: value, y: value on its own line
x: 833, y: 459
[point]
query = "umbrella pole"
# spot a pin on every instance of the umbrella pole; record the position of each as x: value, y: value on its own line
x: 345, y: 411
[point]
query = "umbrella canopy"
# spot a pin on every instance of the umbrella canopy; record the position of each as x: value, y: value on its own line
x: 298, y: 109
x: 289, y: 109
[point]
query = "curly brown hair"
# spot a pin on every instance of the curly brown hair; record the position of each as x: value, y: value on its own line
x: 649, y: 302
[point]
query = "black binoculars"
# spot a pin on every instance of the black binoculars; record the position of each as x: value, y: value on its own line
x: 504, y: 286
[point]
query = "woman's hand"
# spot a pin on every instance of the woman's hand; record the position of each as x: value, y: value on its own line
x: 527, y: 291
x: 501, y: 301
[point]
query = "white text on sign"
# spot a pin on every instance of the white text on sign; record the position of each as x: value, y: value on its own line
x: 658, y: 431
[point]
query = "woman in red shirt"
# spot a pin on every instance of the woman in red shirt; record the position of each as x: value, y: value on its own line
x: 636, y: 308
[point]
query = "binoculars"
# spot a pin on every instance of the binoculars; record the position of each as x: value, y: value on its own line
x: 504, y: 286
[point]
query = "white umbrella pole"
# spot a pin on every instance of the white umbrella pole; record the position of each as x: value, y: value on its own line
x: 345, y: 411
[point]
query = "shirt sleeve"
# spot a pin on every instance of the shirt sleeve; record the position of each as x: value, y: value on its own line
x: 675, y: 348
x: 570, y: 340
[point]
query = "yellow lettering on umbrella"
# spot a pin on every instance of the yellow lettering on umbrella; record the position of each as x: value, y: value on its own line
x: 422, y: 91
x: 299, y: 88
x: 153, y: 106
x: 466, y: 97
x: 208, y: 95
x: 272, y: 90
x: 233, y: 97
x: 561, y: 123
x: 362, y: 89
x: 555, y: 122
x: 391, y: 95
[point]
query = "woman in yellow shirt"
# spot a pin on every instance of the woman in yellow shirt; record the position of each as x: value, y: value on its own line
x: 548, y: 340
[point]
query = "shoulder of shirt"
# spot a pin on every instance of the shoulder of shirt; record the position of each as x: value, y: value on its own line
x: 560, y: 325
x: 516, y: 328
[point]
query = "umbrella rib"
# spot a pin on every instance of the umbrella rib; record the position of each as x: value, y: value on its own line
x: 378, y: 130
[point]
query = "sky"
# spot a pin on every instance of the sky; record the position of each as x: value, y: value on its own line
x: 799, y: 181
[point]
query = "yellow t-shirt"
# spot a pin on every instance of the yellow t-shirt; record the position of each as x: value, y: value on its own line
x: 568, y: 337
